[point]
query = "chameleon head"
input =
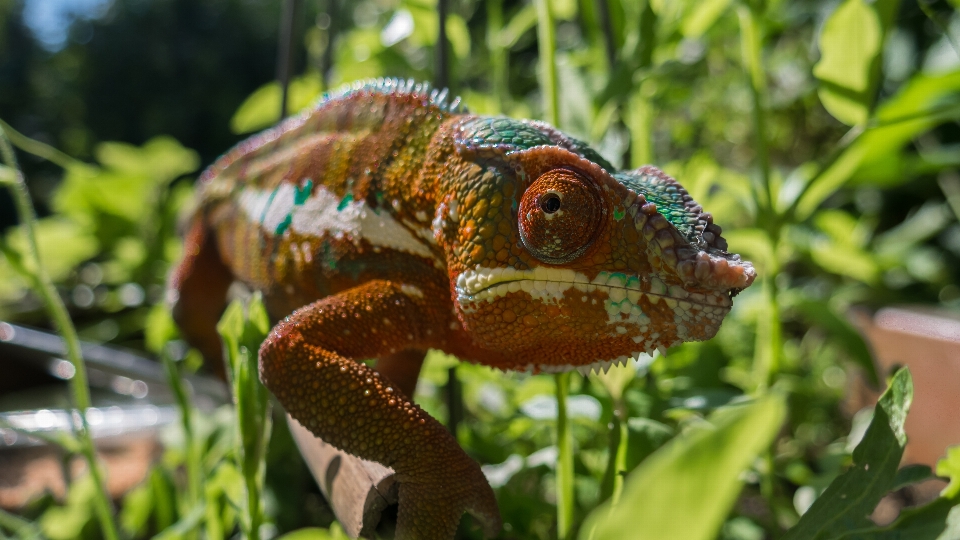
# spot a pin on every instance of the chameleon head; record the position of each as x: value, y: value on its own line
x: 561, y: 262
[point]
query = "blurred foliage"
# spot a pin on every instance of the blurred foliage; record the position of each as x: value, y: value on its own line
x: 822, y: 135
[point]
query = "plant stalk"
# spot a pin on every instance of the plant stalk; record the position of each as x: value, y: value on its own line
x: 751, y: 44
x: 546, y: 40
x: 61, y: 319
x: 499, y: 56
x: 565, y: 492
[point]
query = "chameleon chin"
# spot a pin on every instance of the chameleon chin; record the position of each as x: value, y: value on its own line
x: 387, y: 220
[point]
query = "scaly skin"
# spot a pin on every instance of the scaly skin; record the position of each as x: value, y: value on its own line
x: 388, y: 221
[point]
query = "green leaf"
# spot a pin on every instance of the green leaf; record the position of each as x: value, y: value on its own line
x: 949, y: 467
x: 921, y: 104
x: 911, y: 474
x: 840, y: 330
x: 65, y: 522
x: 261, y: 109
x: 159, y: 328
x: 161, y: 159
x: 136, y: 509
x: 459, y: 36
x: 848, y: 501
x: 62, y: 243
x: 849, y: 42
x: 315, y: 533
x: 671, y: 482
x: 937, y: 520
x: 702, y: 16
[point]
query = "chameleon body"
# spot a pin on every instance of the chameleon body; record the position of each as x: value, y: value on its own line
x: 387, y: 220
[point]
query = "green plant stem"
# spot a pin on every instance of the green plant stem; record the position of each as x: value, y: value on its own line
x: 39, y: 149
x: 193, y: 463
x: 498, y: 53
x: 751, y: 44
x: 546, y: 40
x: 23, y: 529
x: 61, y: 319
x: 564, y: 460
x: 769, y: 338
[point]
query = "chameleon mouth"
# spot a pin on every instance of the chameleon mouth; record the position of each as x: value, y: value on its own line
x: 643, y: 358
x: 543, y: 282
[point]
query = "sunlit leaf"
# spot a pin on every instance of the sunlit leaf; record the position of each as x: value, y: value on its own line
x: 702, y: 16
x: 845, y: 260
x: 850, y: 42
x: 62, y: 244
x: 335, y: 532
x: 64, y: 522
x: 849, y: 500
x: 949, y: 467
x: 459, y: 36
x: 697, y: 474
x: 924, y: 102
x: 161, y: 159
x: 261, y: 109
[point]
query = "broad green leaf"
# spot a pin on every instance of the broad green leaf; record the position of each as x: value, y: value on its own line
x: 927, y: 522
x: 702, y: 16
x: 64, y: 522
x: 697, y: 474
x: 949, y: 467
x: 459, y: 36
x: 161, y: 159
x: 845, y: 261
x: 923, y: 102
x: 849, y: 43
x: 262, y: 108
x: 159, y: 328
x: 136, y: 509
x: 848, y: 501
x: 62, y: 243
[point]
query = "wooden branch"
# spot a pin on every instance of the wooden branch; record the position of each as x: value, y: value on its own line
x: 357, y: 490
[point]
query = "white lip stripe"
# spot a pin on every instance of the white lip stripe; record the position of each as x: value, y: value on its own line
x: 323, y: 213
x: 488, y: 284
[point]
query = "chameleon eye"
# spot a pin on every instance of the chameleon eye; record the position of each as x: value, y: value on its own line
x: 560, y: 214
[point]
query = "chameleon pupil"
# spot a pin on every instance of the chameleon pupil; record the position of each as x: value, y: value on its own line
x: 550, y: 204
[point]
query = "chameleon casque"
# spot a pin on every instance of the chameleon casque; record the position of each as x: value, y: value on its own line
x: 387, y: 220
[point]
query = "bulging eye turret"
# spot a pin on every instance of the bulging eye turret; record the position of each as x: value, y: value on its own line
x: 560, y: 215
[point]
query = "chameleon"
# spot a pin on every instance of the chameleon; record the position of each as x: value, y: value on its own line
x: 386, y: 220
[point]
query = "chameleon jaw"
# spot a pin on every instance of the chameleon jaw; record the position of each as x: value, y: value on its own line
x: 488, y: 284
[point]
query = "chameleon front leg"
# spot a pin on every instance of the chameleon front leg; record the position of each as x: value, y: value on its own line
x: 310, y: 363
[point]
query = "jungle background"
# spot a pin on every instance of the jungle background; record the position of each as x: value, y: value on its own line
x: 822, y: 135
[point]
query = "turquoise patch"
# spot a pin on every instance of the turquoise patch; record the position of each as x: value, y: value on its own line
x: 302, y: 192
x: 347, y: 199
x: 284, y: 225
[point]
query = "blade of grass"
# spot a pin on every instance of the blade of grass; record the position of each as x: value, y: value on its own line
x: 58, y: 312
x: 564, y: 460
x: 546, y: 40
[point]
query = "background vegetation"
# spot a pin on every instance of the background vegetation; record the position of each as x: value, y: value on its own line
x: 822, y: 135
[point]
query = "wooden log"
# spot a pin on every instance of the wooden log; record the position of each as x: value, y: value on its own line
x: 357, y: 490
